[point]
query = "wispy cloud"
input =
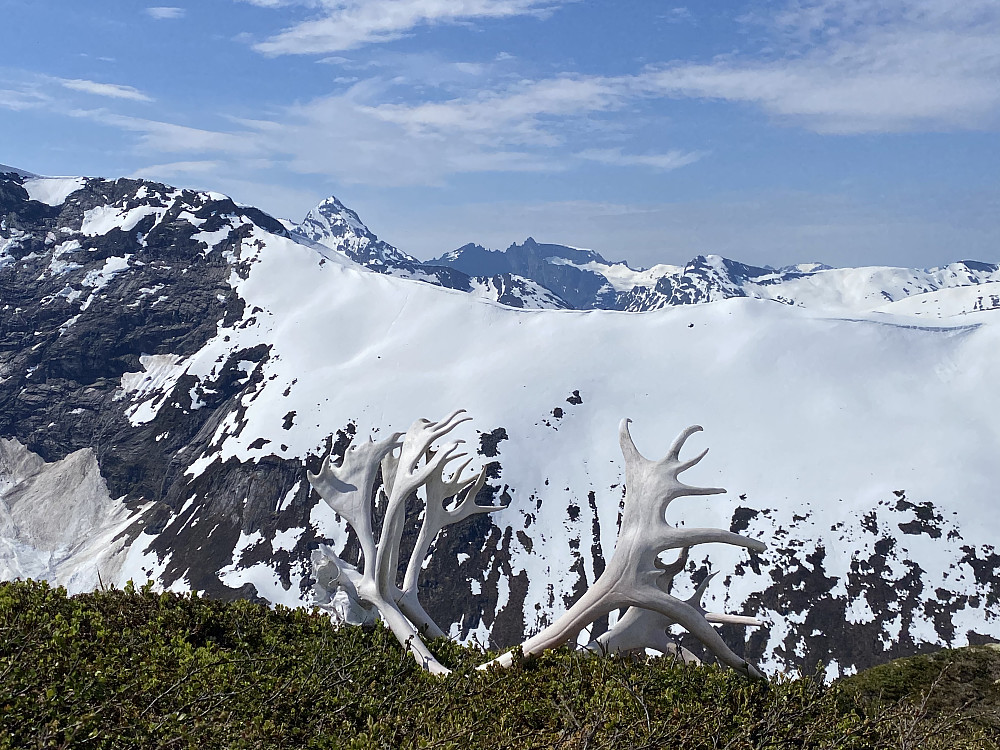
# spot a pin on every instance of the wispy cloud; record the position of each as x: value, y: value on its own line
x: 348, y: 24
x: 526, y: 113
x: 833, y: 66
x: 673, y: 159
x: 861, y: 66
x: 678, y: 15
x: 23, y: 99
x: 178, y: 168
x: 168, y: 138
x: 112, y: 90
x: 161, y: 13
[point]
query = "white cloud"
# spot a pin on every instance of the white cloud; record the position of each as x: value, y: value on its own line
x: 678, y: 15
x: 20, y: 100
x: 348, y: 24
x: 168, y: 138
x: 673, y: 159
x: 521, y: 114
x: 162, y: 13
x: 177, y: 168
x: 112, y: 90
x: 356, y: 138
x: 860, y: 66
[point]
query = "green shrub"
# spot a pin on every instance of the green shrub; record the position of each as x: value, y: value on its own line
x: 139, y: 669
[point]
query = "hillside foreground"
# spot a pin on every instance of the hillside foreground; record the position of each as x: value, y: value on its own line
x: 136, y: 668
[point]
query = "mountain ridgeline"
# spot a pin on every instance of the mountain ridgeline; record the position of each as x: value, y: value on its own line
x: 545, y: 275
x: 558, y: 276
x: 171, y: 364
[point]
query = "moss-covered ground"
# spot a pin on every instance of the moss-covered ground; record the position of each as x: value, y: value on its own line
x: 138, y: 669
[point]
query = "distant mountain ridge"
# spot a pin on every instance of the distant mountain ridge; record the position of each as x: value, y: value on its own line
x: 335, y: 226
x: 535, y: 274
x: 587, y: 281
x: 6, y: 169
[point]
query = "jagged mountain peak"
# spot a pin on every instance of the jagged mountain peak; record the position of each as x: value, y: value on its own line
x: 335, y: 226
x: 336, y: 213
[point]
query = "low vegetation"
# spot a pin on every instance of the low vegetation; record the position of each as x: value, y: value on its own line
x: 139, y: 669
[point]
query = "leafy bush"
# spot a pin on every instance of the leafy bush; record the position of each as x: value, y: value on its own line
x: 946, y: 686
x: 135, y: 668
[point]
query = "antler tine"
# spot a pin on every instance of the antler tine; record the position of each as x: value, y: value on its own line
x: 724, y: 619
x: 467, y: 505
x: 438, y: 461
x: 449, y: 423
x: 675, y: 448
x: 685, y: 465
x: 456, y: 476
x: 670, y: 570
x: 629, y: 451
x: 675, y: 538
x: 687, y: 489
x: 695, y: 599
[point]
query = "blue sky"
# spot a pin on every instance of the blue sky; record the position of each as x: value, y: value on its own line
x: 848, y: 132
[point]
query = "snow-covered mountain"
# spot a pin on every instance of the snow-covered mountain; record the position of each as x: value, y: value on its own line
x: 171, y: 363
x: 589, y: 282
x: 337, y: 227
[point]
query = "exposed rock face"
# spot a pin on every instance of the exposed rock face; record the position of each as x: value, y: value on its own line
x: 337, y: 227
x: 171, y: 363
x: 587, y: 281
x: 120, y: 272
x: 556, y: 267
x: 58, y: 521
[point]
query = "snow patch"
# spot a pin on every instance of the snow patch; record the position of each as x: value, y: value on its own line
x: 102, y: 219
x: 151, y: 387
x: 53, y: 191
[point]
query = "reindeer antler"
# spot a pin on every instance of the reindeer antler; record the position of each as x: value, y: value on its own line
x: 436, y: 517
x: 633, y: 575
x: 346, y: 486
x: 634, y: 578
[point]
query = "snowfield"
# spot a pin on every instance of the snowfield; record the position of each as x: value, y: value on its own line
x: 811, y: 415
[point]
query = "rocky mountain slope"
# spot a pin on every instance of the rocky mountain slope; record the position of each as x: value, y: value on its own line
x: 337, y: 227
x: 589, y: 282
x: 171, y: 363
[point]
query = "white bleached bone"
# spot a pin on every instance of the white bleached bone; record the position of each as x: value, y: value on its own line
x: 632, y: 578
x: 347, y: 487
x: 436, y: 516
x: 638, y: 629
